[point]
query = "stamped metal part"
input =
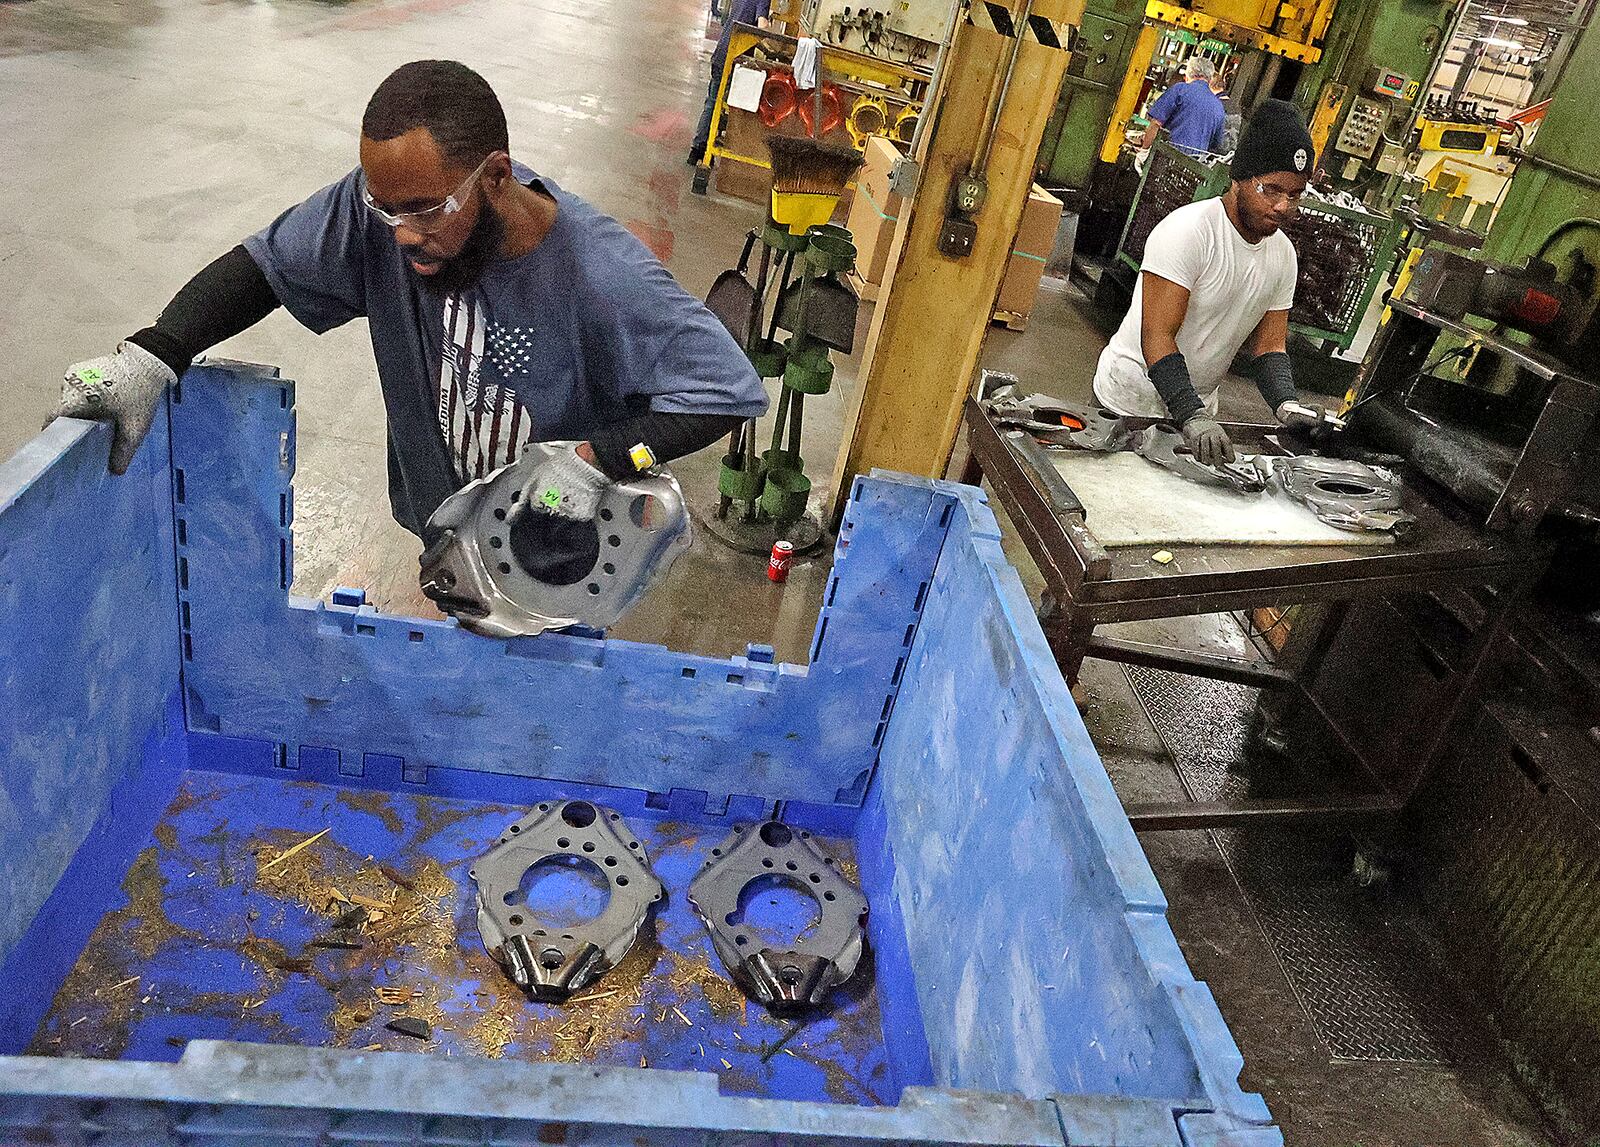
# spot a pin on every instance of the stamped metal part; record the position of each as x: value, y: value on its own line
x: 1344, y: 493
x: 1165, y: 447
x: 1061, y: 423
x: 548, y: 961
x: 800, y: 976
x: 505, y: 571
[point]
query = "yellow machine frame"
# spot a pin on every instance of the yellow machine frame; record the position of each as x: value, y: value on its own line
x: 1237, y: 21
x: 1433, y: 132
x: 856, y: 73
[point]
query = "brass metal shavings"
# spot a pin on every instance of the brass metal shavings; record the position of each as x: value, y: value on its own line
x: 374, y: 803
x: 691, y: 971
x: 593, y: 1023
x: 124, y: 938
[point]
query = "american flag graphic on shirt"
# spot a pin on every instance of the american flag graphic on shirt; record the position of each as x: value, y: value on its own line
x: 479, y: 415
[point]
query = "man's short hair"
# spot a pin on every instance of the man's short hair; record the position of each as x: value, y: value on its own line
x: 1201, y: 68
x: 455, y: 104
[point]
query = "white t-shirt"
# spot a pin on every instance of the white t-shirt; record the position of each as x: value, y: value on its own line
x: 1232, y: 285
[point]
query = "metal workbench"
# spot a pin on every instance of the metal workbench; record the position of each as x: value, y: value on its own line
x: 1089, y: 585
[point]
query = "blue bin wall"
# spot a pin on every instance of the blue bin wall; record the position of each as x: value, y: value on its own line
x: 1077, y: 985
x: 989, y: 798
x: 88, y: 656
x: 262, y: 665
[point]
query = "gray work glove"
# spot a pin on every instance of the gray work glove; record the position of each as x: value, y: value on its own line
x: 123, y: 389
x: 1298, y: 419
x: 565, y: 486
x: 1205, y: 436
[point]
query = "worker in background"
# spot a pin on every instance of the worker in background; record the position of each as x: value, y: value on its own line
x: 739, y: 12
x: 1191, y: 112
x: 1218, y: 276
x: 503, y: 311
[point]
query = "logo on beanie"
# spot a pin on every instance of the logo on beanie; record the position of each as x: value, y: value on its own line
x: 1301, y: 159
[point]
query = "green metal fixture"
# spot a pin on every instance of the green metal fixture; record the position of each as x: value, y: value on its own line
x: 762, y: 498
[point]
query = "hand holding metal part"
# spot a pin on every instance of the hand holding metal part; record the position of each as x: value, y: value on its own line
x: 504, y: 569
x: 1308, y: 416
x: 1169, y: 449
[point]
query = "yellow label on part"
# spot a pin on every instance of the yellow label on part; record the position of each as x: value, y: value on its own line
x: 641, y: 457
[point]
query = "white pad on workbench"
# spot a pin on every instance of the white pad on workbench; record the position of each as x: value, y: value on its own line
x: 1133, y: 502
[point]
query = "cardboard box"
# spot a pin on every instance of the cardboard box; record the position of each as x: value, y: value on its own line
x: 1036, y: 238
x: 875, y: 211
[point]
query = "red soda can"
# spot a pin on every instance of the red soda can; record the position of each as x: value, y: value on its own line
x: 778, y: 564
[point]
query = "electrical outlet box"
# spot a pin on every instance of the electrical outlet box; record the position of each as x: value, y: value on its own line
x: 957, y: 236
x: 903, y: 177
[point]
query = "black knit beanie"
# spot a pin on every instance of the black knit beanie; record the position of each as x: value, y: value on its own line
x: 1275, y: 139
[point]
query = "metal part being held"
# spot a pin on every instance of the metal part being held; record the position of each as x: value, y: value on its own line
x: 504, y: 570
x: 1165, y: 447
x: 801, y: 975
x: 551, y: 961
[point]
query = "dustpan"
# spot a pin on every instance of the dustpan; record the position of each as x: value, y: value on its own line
x: 732, y: 297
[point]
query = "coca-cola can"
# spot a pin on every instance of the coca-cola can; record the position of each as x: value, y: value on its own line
x: 778, y: 564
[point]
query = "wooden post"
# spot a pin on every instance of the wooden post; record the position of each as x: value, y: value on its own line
x: 933, y: 311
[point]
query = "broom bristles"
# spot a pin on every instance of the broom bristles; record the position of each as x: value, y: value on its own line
x: 801, y: 165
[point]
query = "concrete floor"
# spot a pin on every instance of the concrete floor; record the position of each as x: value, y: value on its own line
x: 146, y: 137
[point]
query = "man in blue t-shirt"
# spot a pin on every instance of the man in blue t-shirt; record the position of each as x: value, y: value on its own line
x: 503, y: 311
x: 739, y: 12
x: 1191, y: 112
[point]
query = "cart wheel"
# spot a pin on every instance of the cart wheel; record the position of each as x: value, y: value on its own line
x: 702, y: 180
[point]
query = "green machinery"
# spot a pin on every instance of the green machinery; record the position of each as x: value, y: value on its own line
x: 1107, y: 37
x: 763, y: 494
x: 1552, y: 207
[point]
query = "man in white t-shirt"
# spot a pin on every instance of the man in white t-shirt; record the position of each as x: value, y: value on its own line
x: 1218, y: 275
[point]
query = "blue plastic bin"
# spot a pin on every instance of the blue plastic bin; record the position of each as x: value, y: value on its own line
x: 174, y: 722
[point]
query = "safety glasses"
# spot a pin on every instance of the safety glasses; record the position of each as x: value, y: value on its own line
x: 429, y: 219
x: 1277, y: 194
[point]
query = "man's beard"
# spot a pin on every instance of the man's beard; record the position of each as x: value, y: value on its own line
x: 462, y: 270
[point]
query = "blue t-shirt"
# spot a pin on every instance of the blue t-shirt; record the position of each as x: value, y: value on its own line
x: 1193, y: 115
x: 584, y: 330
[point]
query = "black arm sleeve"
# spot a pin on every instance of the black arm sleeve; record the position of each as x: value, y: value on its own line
x: 669, y: 436
x: 1170, y: 376
x: 227, y: 297
x: 1274, y: 373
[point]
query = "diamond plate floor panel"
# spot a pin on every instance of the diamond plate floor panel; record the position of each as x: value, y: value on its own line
x: 1365, y: 980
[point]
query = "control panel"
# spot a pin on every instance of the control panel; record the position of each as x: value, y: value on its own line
x: 1363, y: 127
